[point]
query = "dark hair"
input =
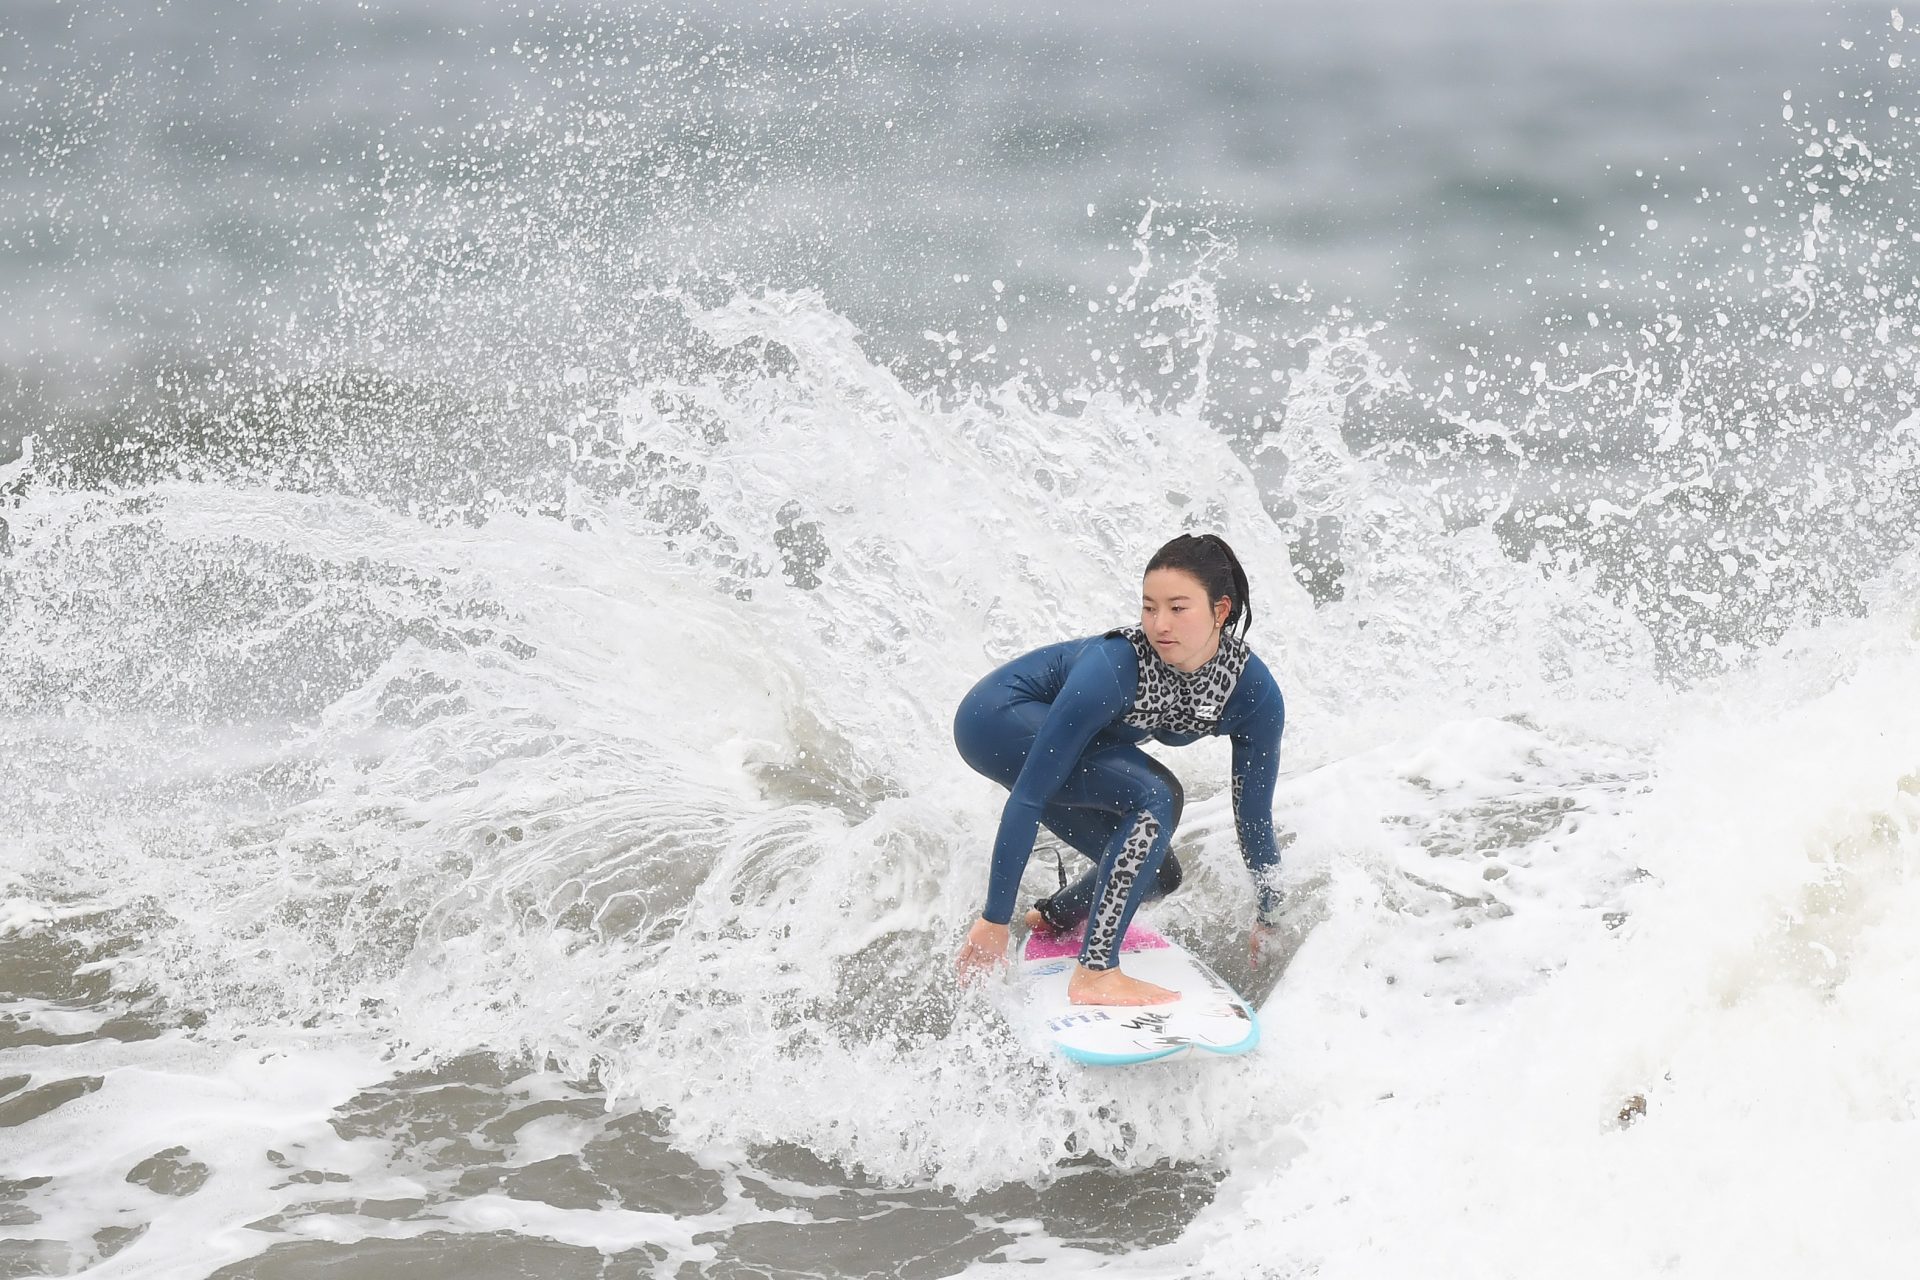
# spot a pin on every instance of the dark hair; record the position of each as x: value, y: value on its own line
x: 1208, y: 557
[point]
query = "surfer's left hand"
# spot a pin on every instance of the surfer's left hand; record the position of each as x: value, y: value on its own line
x: 1260, y: 941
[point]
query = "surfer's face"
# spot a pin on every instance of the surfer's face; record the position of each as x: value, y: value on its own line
x: 1174, y: 613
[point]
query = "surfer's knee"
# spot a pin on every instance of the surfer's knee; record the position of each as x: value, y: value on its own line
x: 1162, y: 793
x: 970, y: 724
x: 991, y: 742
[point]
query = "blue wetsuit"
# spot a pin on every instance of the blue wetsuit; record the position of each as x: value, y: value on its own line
x: 1058, y: 728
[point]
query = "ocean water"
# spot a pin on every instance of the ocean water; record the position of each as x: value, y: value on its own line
x: 501, y: 502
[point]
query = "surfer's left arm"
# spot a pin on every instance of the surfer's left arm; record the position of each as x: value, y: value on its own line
x: 1256, y: 765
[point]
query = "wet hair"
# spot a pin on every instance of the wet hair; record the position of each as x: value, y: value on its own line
x: 1209, y: 559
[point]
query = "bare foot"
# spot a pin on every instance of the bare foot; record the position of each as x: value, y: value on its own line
x: 1037, y: 923
x: 1110, y: 986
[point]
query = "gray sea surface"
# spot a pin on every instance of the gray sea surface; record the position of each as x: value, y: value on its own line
x: 185, y: 183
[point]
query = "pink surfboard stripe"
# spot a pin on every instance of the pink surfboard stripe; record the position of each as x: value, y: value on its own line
x: 1042, y: 945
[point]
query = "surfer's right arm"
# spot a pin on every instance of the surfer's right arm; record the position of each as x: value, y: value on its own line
x: 1097, y: 691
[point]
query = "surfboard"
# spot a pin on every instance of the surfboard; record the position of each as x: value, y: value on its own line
x: 1209, y: 1018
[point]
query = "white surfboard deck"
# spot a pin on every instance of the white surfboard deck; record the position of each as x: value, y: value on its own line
x: 1208, y: 1018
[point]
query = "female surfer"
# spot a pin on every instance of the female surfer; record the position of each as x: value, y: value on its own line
x: 1058, y: 728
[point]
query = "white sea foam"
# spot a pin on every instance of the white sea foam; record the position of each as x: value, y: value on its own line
x: 661, y: 790
x: 655, y: 808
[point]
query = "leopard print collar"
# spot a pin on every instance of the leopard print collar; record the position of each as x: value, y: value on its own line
x: 1180, y: 701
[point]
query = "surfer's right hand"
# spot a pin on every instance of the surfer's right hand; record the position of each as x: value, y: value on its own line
x: 984, y: 950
